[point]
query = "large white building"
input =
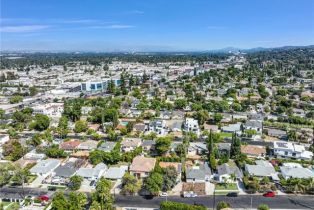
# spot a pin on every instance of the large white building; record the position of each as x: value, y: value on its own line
x: 191, y: 125
x: 100, y: 85
x: 50, y: 109
x: 291, y: 150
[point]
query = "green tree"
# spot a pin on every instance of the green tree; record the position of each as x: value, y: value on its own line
x: 16, y: 99
x: 222, y: 205
x: 77, y: 201
x: 218, y: 117
x: 13, y: 150
x: 2, y: 112
x: 202, y: 116
x: 41, y: 122
x: 212, y: 161
x: 80, y: 126
x: 169, y: 205
x: 235, y: 150
x: 162, y: 145
x: 169, y: 178
x: 130, y: 184
x: 102, y: 194
x: 59, y: 202
x: 154, y: 183
x: 75, y: 182
x: 263, y: 207
x: 33, y: 91
x: 180, y: 103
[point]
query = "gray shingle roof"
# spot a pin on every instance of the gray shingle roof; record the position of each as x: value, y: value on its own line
x: 198, y: 172
x: 226, y: 169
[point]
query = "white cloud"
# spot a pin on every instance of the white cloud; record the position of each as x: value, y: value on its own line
x: 22, y: 28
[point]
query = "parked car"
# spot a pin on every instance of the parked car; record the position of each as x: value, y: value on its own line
x: 189, y: 194
x: 269, y: 194
x: 232, y: 194
x: 163, y: 194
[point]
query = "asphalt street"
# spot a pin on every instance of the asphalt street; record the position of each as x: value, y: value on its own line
x: 242, y: 201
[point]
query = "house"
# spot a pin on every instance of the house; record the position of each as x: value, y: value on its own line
x: 197, y: 148
x: 4, y: 139
x: 191, y: 125
x: 92, y: 173
x: 107, y: 146
x: 177, y: 114
x: 142, y: 166
x: 231, y: 128
x: 45, y: 167
x: 261, y: 169
x: 256, y: 125
x: 67, y: 170
x: 295, y: 170
x: 253, y: 151
x: 174, y: 125
x: 177, y: 166
x: 148, y: 145
x: 291, y: 150
x: 50, y: 109
x: 157, y: 126
x: 226, y: 171
x: 212, y: 128
x: 198, y: 173
x: 115, y: 173
x: 33, y: 155
x: 87, y: 145
x: 130, y: 144
x: 224, y: 149
x: 165, y: 115
x: 70, y: 145
x: 139, y: 127
x: 280, y: 134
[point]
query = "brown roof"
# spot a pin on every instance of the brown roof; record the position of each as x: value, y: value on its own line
x: 177, y: 166
x: 252, y: 150
x: 142, y: 164
x: 70, y: 145
x: 81, y: 154
x: 131, y: 142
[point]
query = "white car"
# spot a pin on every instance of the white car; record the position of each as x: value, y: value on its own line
x: 189, y: 194
x: 163, y: 194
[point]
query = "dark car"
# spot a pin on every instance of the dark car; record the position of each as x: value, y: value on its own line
x: 232, y: 194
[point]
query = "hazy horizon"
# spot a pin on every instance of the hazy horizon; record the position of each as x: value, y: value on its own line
x: 154, y: 26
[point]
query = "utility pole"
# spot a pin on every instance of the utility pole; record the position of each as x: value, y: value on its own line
x: 214, y: 203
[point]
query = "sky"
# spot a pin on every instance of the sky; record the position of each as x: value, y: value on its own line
x: 154, y: 25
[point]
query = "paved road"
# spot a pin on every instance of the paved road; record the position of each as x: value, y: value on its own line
x: 242, y: 201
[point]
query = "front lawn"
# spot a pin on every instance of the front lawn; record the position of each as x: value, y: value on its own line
x: 226, y: 186
x: 225, y: 135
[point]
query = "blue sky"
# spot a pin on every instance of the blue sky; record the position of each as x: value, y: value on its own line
x: 154, y: 25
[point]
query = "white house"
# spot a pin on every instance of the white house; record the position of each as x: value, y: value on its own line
x: 45, y: 167
x: 295, y: 170
x: 191, y: 125
x: 291, y: 150
x: 4, y: 139
x: 50, y: 109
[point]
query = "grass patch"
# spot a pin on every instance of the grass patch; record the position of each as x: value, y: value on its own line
x: 227, y: 186
x: 225, y: 135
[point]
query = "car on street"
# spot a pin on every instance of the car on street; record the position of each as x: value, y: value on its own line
x: 232, y: 194
x: 269, y: 194
x: 163, y: 194
x: 189, y: 194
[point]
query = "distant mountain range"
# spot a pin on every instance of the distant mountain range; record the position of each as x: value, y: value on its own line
x: 257, y: 49
x: 223, y: 50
